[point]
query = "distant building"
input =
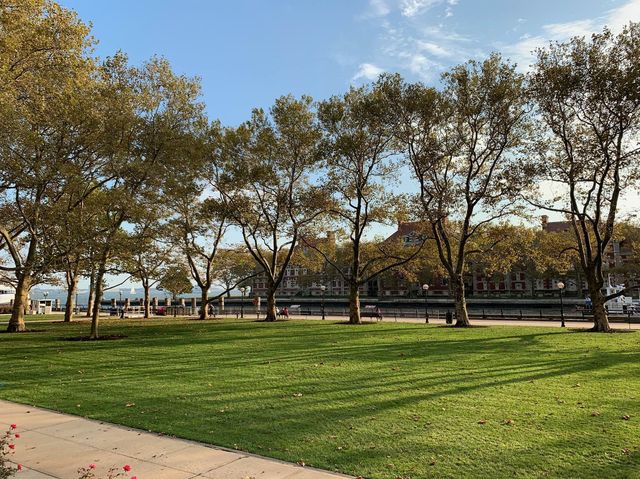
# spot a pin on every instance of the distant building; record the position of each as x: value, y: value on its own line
x: 300, y: 280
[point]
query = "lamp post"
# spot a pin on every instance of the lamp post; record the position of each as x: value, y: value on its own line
x: 322, y: 290
x: 242, y: 290
x: 425, y: 288
x: 561, y: 288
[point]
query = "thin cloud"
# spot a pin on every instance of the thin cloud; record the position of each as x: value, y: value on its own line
x: 378, y: 8
x: 522, y: 52
x: 411, y: 8
x: 367, y: 71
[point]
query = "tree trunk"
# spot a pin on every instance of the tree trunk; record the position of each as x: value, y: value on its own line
x: 71, y: 298
x: 462, y: 315
x: 600, y: 317
x: 90, y: 299
x: 204, y: 300
x: 147, y: 300
x: 354, y: 304
x: 95, y: 316
x: 16, y: 323
x: 271, y: 304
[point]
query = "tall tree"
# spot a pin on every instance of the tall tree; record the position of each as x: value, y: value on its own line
x: 359, y: 130
x: 198, y: 223
x: 264, y: 177
x: 159, y: 114
x: 50, y: 117
x: 462, y: 144
x: 587, y: 96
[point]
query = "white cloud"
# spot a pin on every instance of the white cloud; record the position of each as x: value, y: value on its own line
x: 619, y: 17
x: 367, y: 71
x: 378, y: 8
x: 433, y: 49
x: 410, y: 8
x: 522, y: 52
x: 570, y: 29
x: 422, y: 66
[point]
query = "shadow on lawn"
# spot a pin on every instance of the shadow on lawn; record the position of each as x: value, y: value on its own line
x: 345, y: 375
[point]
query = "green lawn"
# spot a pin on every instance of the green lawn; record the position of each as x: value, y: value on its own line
x: 4, y: 318
x: 385, y: 400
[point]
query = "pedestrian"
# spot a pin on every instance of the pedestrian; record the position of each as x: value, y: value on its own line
x: 285, y: 312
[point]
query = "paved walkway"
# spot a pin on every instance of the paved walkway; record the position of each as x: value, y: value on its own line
x: 55, y: 445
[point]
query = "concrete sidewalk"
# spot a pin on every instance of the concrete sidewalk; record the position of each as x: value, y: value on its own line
x: 55, y: 445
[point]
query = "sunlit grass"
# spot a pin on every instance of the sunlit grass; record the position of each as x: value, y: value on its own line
x: 383, y: 400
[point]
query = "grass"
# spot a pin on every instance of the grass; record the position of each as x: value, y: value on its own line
x: 4, y: 318
x: 386, y: 400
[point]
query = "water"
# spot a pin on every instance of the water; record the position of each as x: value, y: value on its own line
x: 83, y: 295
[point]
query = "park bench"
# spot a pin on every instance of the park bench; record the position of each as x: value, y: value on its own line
x: 371, y: 311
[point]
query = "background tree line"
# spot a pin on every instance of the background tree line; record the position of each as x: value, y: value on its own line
x: 106, y: 167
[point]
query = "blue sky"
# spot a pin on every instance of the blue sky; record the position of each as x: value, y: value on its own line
x: 248, y: 52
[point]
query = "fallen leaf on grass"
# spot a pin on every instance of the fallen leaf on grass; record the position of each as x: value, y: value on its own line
x: 626, y: 417
x: 297, y: 395
x: 130, y: 404
x: 482, y: 421
x: 508, y: 422
x: 595, y: 413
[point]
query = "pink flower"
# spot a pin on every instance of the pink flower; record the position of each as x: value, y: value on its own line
x: 17, y: 435
x: 13, y: 426
x: 134, y: 477
x: 12, y: 446
x: 126, y: 468
x: 19, y: 467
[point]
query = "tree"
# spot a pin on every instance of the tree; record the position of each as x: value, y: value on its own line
x: 587, y: 97
x: 198, y: 224
x: 462, y: 143
x: 233, y: 267
x: 359, y: 130
x: 50, y: 114
x: 177, y: 281
x: 264, y: 173
x: 145, y: 255
x: 158, y: 115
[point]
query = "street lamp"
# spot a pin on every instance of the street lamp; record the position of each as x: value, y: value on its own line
x: 242, y: 290
x: 425, y: 288
x: 561, y: 287
x: 323, y: 288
